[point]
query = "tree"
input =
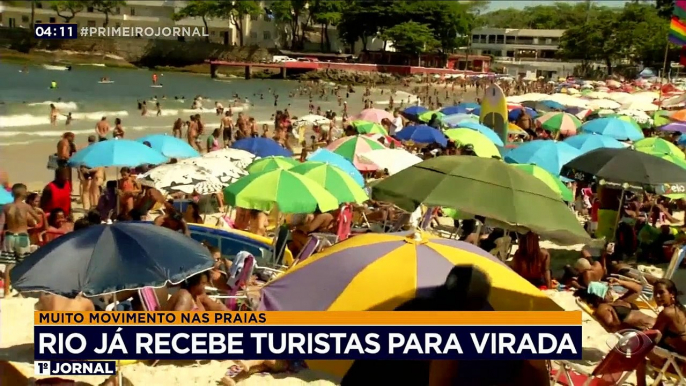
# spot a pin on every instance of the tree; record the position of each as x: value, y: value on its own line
x: 553, y: 16
x: 293, y: 15
x: 450, y: 21
x: 106, y: 7
x: 326, y: 13
x: 198, y: 8
x: 361, y: 20
x: 67, y: 10
x: 236, y: 12
x: 412, y: 37
x: 665, y: 8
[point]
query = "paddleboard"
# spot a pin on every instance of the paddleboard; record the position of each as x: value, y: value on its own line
x: 106, y: 82
x: 156, y: 85
x: 494, y: 111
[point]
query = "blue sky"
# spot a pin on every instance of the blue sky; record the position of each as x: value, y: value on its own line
x: 500, y: 4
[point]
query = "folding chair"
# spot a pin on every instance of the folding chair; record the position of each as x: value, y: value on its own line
x: 240, y: 282
x: 671, y: 363
x: 614, y: 369
x: 310, y: 248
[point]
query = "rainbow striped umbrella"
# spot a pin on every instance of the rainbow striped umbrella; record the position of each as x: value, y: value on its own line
x: 565, y: 123
x: 351, y: 147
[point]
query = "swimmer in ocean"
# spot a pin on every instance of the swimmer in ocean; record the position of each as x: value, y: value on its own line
x: 53, y: 114
x: 69, y: 119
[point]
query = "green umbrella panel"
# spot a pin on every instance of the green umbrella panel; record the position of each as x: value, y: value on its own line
x: 483, y: 147
x: 550, y: 180
x: 290, y: 192
x: 486, y: 187
x: 655, y: 146
x: 367, y: 127
x: 426, y: 116
x: 334, y: 180
x: 268, y: 164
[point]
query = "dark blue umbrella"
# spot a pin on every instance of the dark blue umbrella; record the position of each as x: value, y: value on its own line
x: 412, y: 112
x: 422, y: 134
x: 553, y: 105
x: 514, y: 114
x: 262, y: 147
x: 106, y: 258
x: 457, y: 109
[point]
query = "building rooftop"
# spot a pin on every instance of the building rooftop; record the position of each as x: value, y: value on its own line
x: 519, y: 32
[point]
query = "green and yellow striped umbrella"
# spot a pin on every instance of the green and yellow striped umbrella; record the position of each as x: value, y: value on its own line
x: 334, y: 180
x: 483, y: 146
x: 553, y: 182
x: 367, y: 127
x: 268, y: 164
x: 661, y: 118
x: 290, y: 192
x: 658, y: 146
x: 426, y: 116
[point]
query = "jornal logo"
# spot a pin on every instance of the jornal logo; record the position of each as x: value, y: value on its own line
x: 671, y: 189
x: 41, y: 368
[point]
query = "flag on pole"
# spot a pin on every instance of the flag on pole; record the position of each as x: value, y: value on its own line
x: 677, y: 32
x: 680, y: 9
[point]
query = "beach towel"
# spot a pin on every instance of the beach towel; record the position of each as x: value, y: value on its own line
x: 236, y: 267
x: 15, y: 247
x: 598, y: 289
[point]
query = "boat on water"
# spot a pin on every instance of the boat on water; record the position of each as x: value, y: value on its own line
x: 56, y: 68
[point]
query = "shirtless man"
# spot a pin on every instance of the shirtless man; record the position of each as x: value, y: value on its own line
x: 201, y: 130
x: 53, y: 114
x: 176, y: 129
x: 18, y: 216
x: 102, y: 128
x: 192, y: 133
x: 226, y: 126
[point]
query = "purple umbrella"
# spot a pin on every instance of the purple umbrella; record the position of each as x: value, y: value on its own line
x: 674, y: 126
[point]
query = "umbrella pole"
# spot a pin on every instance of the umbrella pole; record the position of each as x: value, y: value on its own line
x: 619, y: 214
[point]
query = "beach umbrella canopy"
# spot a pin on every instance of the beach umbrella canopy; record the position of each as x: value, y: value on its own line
x: 327, y: 156
x: 393, y: 160
x: 588, y: 142
x: 422, y: 134
x: 668, y: 157
x: 169, y: 146
x: 174, y: 178
x: 117, y: 153
x: 267, y: 164
x: 679, y: 116
x: 661, y: 117
x: 516, y: 130
x: 455, y: 119
x: 312, y: 119
x: 549, y: 155
x: 655, y: 145
x: 457, y: 109
x: 487, y: 187
x: 240, y: 158
x: 412, y: 112
x: 565, y: 123
x: 613, y: 127
x: 550, y: 180
x: 597, y: 104
x: 553, y: 105
x: 426, y: 116
x: 674, y: 126
x: 351, y: 147
x: 262, y: 147
x: 388, y: 141
x: 626, y: 166
x: 223, y: 169
x: 366, y: 127
x: 290, y: 192
x: 483, y: 129
x: 483, y: 146
x: 108, y: 258
x: 5, y: 197
x: 514, y: 114
x: 206, y: 187
x: 373, y: 115
x: 382, y: 271
x: 334, y: 180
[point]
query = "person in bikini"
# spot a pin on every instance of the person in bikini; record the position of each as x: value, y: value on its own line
x: 191, y: 296
x: 258, y: 222
x: 172, y: 219
x: 16, y: 217
x: 128, y: 190
x: 176, y: 129
x: 318, y: 222
x: 192, y: 134
x: 53, y: 114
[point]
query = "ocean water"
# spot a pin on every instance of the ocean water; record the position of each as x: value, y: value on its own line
x: 25, y: 100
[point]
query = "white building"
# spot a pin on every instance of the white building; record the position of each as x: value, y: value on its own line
x: 517, y: 43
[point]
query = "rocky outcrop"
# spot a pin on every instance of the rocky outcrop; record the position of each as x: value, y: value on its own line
x: 349, y: 77
x: 142, y: 52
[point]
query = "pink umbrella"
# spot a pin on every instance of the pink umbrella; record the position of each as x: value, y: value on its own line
x: 373, y: 115
x: 351, y: 147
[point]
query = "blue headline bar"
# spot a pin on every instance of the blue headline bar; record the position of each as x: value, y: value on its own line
x: 174, y: 342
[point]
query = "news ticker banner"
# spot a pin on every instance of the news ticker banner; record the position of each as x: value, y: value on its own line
x: 61, y: 336
x: 73, y: 31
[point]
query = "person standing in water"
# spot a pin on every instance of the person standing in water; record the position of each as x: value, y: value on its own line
x: 226, y: 126
x: 154, y: 79
x: 118, y: 132
x: 17, y: 216
x: 176, y: 129
x: 159, y: 108
x: 53, y: 114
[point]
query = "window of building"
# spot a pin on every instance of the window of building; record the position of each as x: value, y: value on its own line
x: 39, y: 5
x: 52, y: 20
x: 90, y: 23
x: 510, y: 54
x: 510, y: 39
x: 548, y: 41
x: 116, y: 11
x: 267, y: 35
x: 12, y: 22
x: 500, y: 39
x: 475, y: 39
x: 24, y: 19
x: 254, y: 17
x: 253, y: 35
x: 89, y: 9
x: 483, y: 38
x: 133, y: 11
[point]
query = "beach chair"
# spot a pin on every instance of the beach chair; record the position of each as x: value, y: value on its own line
x: 344, y: 227
x: 310, y: 248
x: 399, y: 223
x: 149, y: 299
x: 671, y: 369
x: 238, y: 284
x: 426, y: 219
x: 614, y: 369
x: 502, y: 248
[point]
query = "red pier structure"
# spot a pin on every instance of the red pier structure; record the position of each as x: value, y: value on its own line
x: 361, y: 67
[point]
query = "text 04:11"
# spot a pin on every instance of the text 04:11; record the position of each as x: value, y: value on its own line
x: 55, y: 31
